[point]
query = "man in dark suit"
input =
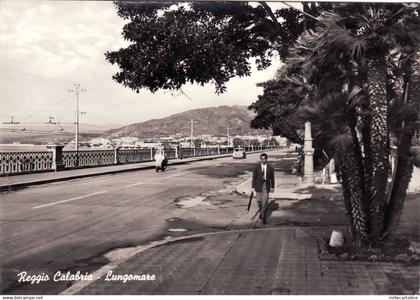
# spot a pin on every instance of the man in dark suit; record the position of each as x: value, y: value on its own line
x: 263, y: 184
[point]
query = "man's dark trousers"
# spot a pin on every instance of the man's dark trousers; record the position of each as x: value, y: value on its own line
x: 262, y: 200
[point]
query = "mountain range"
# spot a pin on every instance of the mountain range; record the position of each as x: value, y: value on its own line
x: 207, y: 121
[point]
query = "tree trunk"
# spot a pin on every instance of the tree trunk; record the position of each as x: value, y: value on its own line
x: 379, y: 142
x: 402, y: 179
x: 353, y: 195
x: 404, y: 160
x: 364, y: 120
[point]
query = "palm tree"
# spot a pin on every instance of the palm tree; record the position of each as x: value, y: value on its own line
x: 331, y: 118
x: 350, y: 50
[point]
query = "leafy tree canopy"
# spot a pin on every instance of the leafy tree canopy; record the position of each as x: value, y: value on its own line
x: 176, y: 43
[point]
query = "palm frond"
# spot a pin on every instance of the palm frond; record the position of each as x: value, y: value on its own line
x: 342, y: 141
x: 326, y: 115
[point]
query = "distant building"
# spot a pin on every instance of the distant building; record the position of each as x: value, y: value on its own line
x: 100, y: 142
x: 282, y: 141
x: 149, y: 145
x: 185, y: 144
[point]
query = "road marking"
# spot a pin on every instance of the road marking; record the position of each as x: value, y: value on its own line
x: 153, y: 179
x: 68, y: 200
x: 175, y: 175
x: 102, y: 192
x: 134, y: 184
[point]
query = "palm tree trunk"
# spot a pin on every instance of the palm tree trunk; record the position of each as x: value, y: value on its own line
x: 404, y: 163
x: 353, y: 194
x: 367, y: 162
x: 379, y: 142
x: 364, y: 120
x: 402, y: 179
x: 347, y: 206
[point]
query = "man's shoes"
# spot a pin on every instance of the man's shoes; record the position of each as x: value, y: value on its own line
x: 264, y: 221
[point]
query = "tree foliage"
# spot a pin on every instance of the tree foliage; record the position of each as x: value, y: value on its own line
x: 195, y: 42
x: 174, y: 43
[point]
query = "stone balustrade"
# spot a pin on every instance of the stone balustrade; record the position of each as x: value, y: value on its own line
x: 56, y: 159
x: 25, y: 162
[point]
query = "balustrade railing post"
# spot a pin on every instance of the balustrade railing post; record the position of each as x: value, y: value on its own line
x: 116, y: 155
x: 57, y: 159
x: 151, y: 154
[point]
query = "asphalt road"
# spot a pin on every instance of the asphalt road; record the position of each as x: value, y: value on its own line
x: 69, y: 225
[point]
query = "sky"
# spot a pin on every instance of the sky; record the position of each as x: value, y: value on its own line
x: 48, y: 46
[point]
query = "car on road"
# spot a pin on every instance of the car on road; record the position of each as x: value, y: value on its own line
x: 239, y: 153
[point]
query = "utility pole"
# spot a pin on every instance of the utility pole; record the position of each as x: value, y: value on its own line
x: 51, y: 121
x: 77, y: 90
x: 228, y: 138
x: 12, y: 121
x: 192, y: 133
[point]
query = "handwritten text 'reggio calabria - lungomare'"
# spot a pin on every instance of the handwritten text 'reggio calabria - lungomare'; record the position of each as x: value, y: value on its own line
x: 68, y: 276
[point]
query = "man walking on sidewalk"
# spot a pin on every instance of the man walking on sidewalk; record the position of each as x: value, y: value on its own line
x: 263, y: 184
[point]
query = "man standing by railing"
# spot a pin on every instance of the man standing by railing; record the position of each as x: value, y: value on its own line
x: 160, y: 160
x: 263, y: 184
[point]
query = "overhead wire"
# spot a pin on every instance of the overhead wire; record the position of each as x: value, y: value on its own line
x: 114, y: 102
x: 20, y: 73
x: 48, y: 105
x: 38, y: 84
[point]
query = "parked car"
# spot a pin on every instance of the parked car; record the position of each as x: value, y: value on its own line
x: 239, y: 153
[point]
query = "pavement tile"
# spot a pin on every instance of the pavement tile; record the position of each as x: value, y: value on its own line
x: 256, y: 262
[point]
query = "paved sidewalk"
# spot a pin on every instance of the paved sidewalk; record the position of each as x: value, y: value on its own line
x: 269, y: 261
x: 291, y: 187
x: 415, y: 181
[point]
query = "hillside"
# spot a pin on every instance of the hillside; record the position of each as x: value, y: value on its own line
x: 207, y: 121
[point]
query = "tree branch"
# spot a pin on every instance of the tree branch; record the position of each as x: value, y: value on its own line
x: 271, y: 14
x: 303, y: 12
